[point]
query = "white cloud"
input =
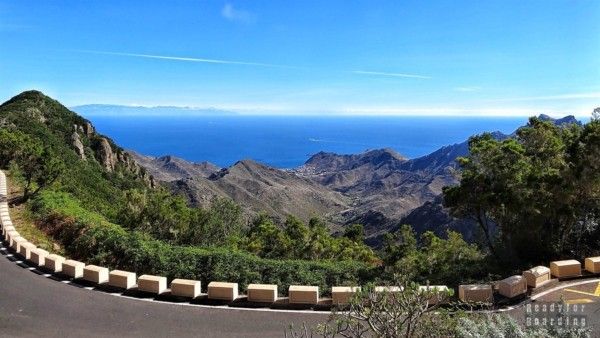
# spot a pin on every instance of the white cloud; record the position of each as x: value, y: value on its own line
x: 233, y: 14
x: 414, y: 76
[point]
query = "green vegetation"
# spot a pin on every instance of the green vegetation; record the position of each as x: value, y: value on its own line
x: 88, y: 236
x: 535, y: 197
x: 298, y: 240
x: 435, y: 260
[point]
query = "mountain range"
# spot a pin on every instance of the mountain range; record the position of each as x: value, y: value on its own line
x: 379, y: 189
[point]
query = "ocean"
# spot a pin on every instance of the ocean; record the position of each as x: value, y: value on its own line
x: 287, y: 142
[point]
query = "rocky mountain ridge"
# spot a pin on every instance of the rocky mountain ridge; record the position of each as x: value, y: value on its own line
x: 378, y: 188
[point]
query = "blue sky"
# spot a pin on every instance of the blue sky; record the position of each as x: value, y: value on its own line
x: 295, y: 57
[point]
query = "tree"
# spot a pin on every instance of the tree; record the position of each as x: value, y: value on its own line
x: 355, y: 233
x: 157, y: 213
x: 35, y: 165
x: 432, y: 259
x: 529, y: 194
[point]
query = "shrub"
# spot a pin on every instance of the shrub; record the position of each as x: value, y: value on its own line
x: 88, y: 236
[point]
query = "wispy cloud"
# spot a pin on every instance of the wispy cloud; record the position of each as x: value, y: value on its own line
x: 570, y: 96
x: 233, y: 14
x: 414, y: 76
x: 245, y: 63
x: 188, y: 59
x: 467, y: 89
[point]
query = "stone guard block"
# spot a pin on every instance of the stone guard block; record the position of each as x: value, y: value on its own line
x: 537, y: 276
x: 303, y: 294
x: 152, y: 284
x: 16, y: 241
x: 185, y: 288
x: 73, y: 269
x: 341, y: 295
x: 38, y: 256
x: 223, y: 291
x: 262, y: 293
x: 512, y: 286
x: 95, y: 274
x: 566, y: 268
x: 7, y: 228
x: 10, y: 233
x: 122, y: 279
x: 476, y: 293
x: 54, y: 262
x: 25, y: 249
x: 592, y: 264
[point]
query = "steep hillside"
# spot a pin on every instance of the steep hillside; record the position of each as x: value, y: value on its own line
x: 259, y: 188
x: 97, y: 170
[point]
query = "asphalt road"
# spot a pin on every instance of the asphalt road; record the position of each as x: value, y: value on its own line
x: 32, y: 306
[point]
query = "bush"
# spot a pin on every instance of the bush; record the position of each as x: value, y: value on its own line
x: 88, y: 236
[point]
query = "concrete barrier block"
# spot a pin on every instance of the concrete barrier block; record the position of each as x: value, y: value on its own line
x: 7, y: 229
x: 73, y: 269
x: 38, y: 256
x: 152, y: 284
x: 223, y: 291
x: 512, y: 286
x: 303, y: 294
x: 122, y: 279
x: 476, y: 293
x: 592, y: 264
x: 537, y: 276
x: 262, y: 293
x: 6, y: 224
x: 10, y: 233
x: 54, y: 262
x: 25, y: 249
x: 95, y: 274
x: 16, y: 241
x: 566, y: 268
x: 185, y: 288
x: 341, y: 295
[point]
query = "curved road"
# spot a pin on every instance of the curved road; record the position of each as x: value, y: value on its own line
x: 33, y: 306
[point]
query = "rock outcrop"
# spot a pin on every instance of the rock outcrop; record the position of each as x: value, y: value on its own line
x: 77, y: 144
x: 89, y: 129
x: 106, y: 155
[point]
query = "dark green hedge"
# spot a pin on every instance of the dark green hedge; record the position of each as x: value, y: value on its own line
x: 89, y: 237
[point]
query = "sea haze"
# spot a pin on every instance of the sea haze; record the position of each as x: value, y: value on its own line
x: 287, y: 142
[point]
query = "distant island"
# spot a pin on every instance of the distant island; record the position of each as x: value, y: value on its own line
x: 124, y: 110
